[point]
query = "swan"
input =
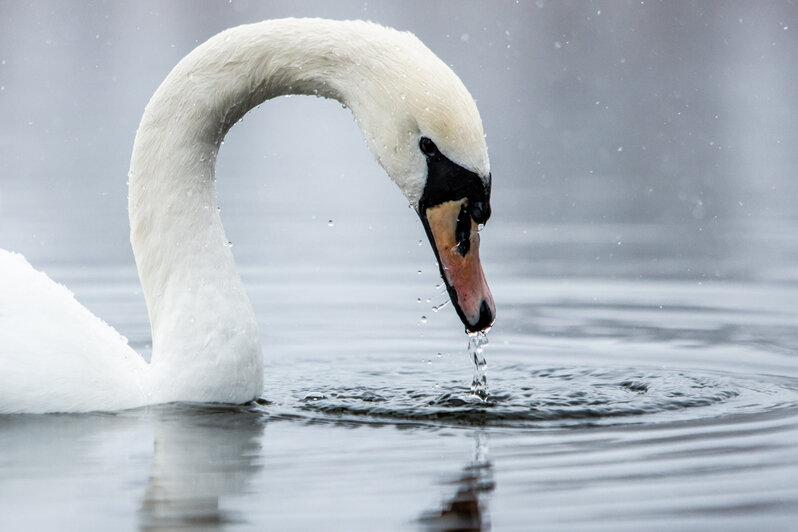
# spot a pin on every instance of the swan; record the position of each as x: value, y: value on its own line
x: 419, y: 121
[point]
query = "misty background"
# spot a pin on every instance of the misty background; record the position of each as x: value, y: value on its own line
x: 654, y: 134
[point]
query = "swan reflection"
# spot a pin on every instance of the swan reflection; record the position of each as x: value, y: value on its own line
x: 467, y: 509
x: 201, y: 455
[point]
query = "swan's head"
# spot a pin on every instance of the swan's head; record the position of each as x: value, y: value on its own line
x: 424, y: 128
x: 454, y: 205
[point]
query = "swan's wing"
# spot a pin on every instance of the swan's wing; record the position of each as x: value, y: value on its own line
x: 55, y: 355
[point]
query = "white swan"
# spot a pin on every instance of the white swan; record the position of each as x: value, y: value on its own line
x: 419, y: 121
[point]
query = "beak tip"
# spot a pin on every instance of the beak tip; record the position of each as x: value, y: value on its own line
x: 487, y: 315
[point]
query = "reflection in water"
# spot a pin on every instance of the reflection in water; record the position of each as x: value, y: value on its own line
x: 201, y: 454
x: 466, y: 510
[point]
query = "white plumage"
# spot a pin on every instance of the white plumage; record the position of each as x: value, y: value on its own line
x: 55, y: 356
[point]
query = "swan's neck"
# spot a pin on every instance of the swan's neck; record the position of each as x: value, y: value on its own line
x: 205, y: 337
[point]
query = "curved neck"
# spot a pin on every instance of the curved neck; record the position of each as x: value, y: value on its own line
x: 205, y: 338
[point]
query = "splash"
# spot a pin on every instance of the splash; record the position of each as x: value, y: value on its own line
x: 479, y: 385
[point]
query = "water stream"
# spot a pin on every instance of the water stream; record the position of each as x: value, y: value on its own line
x: 476, y: 345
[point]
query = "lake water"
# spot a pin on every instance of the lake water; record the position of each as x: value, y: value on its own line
x: 643, y: 368
x: 625, y: 398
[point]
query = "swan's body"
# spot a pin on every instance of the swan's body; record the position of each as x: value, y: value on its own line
x: 73, y: 362
x: 205, y: 336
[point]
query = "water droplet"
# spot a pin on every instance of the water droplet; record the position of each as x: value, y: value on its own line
x: 439, y: 307
x: 420, y: 242
x: 419, y: 272
x: 423, y: 320
x: 418, y: 300
x: 229, y: 244
x: 330, y: 223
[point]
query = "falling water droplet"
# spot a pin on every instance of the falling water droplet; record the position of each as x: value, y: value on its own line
x: 439, y: 307
x: 423, y: 320
x: 330, y: 223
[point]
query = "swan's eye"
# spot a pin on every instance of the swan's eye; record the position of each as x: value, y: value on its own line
x: 428, y: 147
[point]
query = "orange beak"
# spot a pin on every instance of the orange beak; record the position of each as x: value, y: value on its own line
x: 455, y: 238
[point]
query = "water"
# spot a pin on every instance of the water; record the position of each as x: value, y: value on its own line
x: 476, y: 345
x: 643, y: 365
x: 615, y: 402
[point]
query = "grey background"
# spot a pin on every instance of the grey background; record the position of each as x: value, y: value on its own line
x: 675, y: 113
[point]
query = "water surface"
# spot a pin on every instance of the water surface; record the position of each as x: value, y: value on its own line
x: 614, y: 402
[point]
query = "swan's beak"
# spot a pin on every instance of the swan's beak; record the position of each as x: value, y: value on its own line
x: 454, y: 237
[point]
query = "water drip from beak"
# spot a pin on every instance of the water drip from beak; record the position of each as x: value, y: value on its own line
x: 479, y: 385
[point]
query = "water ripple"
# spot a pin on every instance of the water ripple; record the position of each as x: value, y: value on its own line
x: 551, y: 398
